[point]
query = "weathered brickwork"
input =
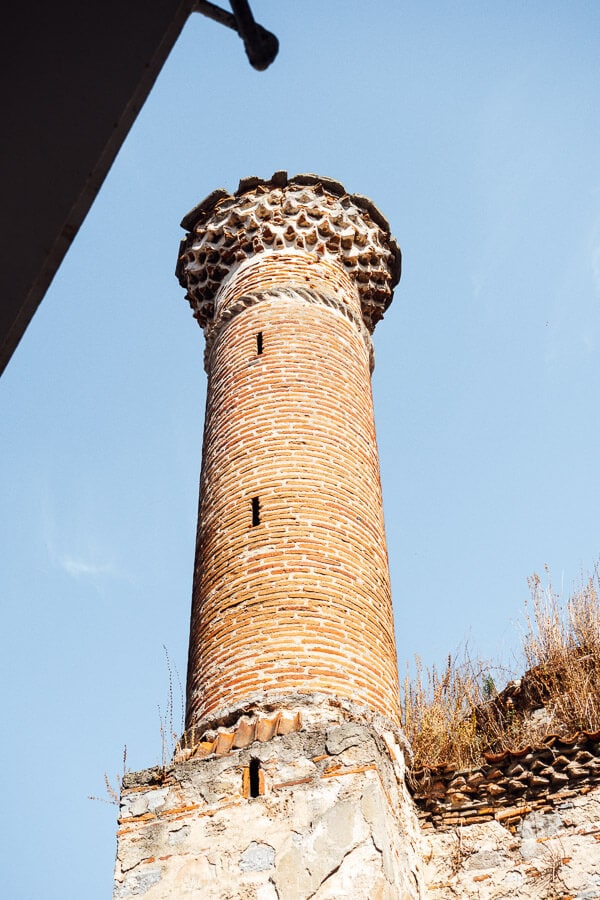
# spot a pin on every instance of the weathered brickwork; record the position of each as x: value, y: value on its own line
x: 302, y: 600
x: 309, y: 278
x: 291, y: 586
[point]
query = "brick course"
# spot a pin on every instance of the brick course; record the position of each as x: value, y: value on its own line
x: 299, y: 603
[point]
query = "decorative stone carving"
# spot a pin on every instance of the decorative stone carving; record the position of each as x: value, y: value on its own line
x: 305, y: 214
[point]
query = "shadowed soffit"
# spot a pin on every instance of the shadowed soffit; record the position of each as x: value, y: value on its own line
x: 74, y: 76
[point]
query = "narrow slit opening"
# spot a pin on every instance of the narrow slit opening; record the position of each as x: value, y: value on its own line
x: 259, y: 343
x: 255, y: 511
x: 254, y: 778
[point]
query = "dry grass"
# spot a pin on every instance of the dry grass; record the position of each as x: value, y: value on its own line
x: 453, y: 715
x: 113, y: 791
x: 562, y: 651
x: 438, y: 711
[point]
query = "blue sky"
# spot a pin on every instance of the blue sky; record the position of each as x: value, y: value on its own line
x: 476, y: 129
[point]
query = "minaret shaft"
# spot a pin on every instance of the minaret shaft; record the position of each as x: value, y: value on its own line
x: 291, y: 596
x: 299, y: 603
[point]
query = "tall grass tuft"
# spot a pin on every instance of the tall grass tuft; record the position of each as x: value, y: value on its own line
x: 453, y: 715
x: 562, y: 652
x: 439, y: 711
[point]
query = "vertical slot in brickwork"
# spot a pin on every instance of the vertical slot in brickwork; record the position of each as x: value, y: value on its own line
x: 256, y: 781
x: 255, y: 511
x: 253, y: 780
x: 259, y: 343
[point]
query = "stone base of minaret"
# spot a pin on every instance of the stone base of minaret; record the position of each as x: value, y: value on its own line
x: 311, y: 813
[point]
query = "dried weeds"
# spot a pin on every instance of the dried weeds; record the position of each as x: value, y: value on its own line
x: 454, y: 715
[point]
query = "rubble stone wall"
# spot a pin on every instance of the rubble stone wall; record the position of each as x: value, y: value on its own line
x: 524, y: 825
x: 333, y: 819
x: 552, y: 854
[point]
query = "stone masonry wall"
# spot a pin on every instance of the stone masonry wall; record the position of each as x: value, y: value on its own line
x: 333, y: 819
x: 552, y: 854
x: 525, y: 824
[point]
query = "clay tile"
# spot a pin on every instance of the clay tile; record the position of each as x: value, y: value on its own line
x: 224, y: 743
x: 519, y: 754
x: 288, y: 723
x: 204, y: 748
x: 244, y: 734
x: 263, y: 211
x: 495, y: 757
x: 279, y: 179
x: 369, y: 207
x: 267, y: 727
x: 494, y: 789
x: 207, y: 205
x: 305, y: 179
x: 333, y: 186
x: 248, y: 184
x: 569, y: 740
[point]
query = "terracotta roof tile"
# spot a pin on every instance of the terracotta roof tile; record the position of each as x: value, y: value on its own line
x: 244, y: 732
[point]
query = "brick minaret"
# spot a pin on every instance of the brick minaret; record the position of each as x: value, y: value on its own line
x: 291, y: 588
x: 289, y: 780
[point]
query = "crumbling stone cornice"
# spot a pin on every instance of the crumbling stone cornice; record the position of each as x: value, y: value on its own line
x: 510, y: 784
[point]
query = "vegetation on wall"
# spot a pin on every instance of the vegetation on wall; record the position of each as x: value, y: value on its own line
x: 455, y: 714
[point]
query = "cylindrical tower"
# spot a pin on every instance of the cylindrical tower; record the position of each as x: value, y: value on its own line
x: 290, y: 779
x: 291, y: 597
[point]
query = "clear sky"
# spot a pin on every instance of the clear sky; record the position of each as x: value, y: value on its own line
x: 475, y: 127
